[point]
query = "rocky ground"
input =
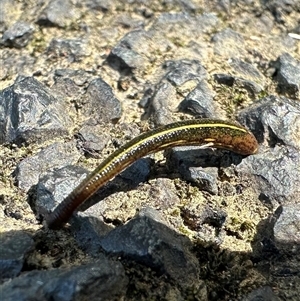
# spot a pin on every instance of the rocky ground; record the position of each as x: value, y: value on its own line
x: 81, y: 78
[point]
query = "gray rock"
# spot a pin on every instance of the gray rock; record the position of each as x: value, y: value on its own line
x: 30, y: 113
x: 18, y: 35
x: 276, y: 174
x: 101, y: 103
x: 55, y: 185
x: 100, y: 280
x: 131, y: 52
x: 162, y: 103
x: 245, y: 69
x: 71, y: 49
x: 199, y: 102
x: 288, y: 75
x: 182, y: 71
x: 54, y: 156
x: 147, y: 239
x: 59, y: 13
x: 274, y: 120
x: 180, y: 78
x: 244, y: 75
x: 92, y: 138
x: 196, y: 165
x: 79, y: 77
x: 286, y: 229
x: 264, y: 293
x: 231, y: 80
x: 14, y: 247
x: 280, y: 8
x: 100, y: 5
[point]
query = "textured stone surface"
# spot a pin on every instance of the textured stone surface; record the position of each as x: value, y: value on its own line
x: 30, y: 113
x: 147, y: 239
x: 14, y: 248
x: 104, y: 279
x: 56, y: 155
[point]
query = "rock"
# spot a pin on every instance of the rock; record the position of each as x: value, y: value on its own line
x: 60, y: 13
x: 270, y: 169
x: 131, y: 52
x: 92, y: 138
x: 196, y: 165
x: 288, y: 75
x: 14, y: 248
x: 264, y: 293
x: 30, y: 113
x: 183, y: 71
x: 286, y: 229
x: 101, y: 103
x: 99, y: 280
x: 54, y: 156
x: 162, y: 102
x: 180, y: 78
x: 73, y: 50
x: 99, y: 5
x: 244, y: 76
x: 18, y: 35
x: 147, y: 239
x: 199, y: 102
x: 274, y: 120
x: 55, y: 185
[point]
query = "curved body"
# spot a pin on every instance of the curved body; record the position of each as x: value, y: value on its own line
x: 211, y: 132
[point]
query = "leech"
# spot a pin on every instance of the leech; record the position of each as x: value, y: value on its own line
x: 202, y: 132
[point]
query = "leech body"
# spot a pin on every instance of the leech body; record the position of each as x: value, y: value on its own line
x: 215, y: 133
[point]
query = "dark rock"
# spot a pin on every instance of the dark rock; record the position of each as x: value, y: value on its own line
x: 147, y: 239
x: 92, y: 138
x: 138, y: 172
x: 54, y: 156
x: 262, y: 294
x: 224, y: 79
x: 18, y: 35
x: 101, y: 103
x: 199, y: 102
x: 88, y: 228
x: 245, y: 69
x: 228, y: 43
x: 280, y: 8
x: 195, y: 219
x: 183, y: 77
x: 288, y: 75
x: 79, y: 77
x: 14, y: 247
x: 182, y: 71
x: 274, y: 120
x: 60, y: 13
x: 100, y: 5
x: 55, y: 185
x: 270, y: 169
x: 71, y: 49
x: 131, y: 52
x: 286, y: 229
x: 100, y: 280
x: 29, y: 113
x: 162, y: 103
x: 250, y: 86
x: 193, y: 164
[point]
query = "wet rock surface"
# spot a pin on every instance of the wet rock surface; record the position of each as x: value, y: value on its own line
x: 80, y: 79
